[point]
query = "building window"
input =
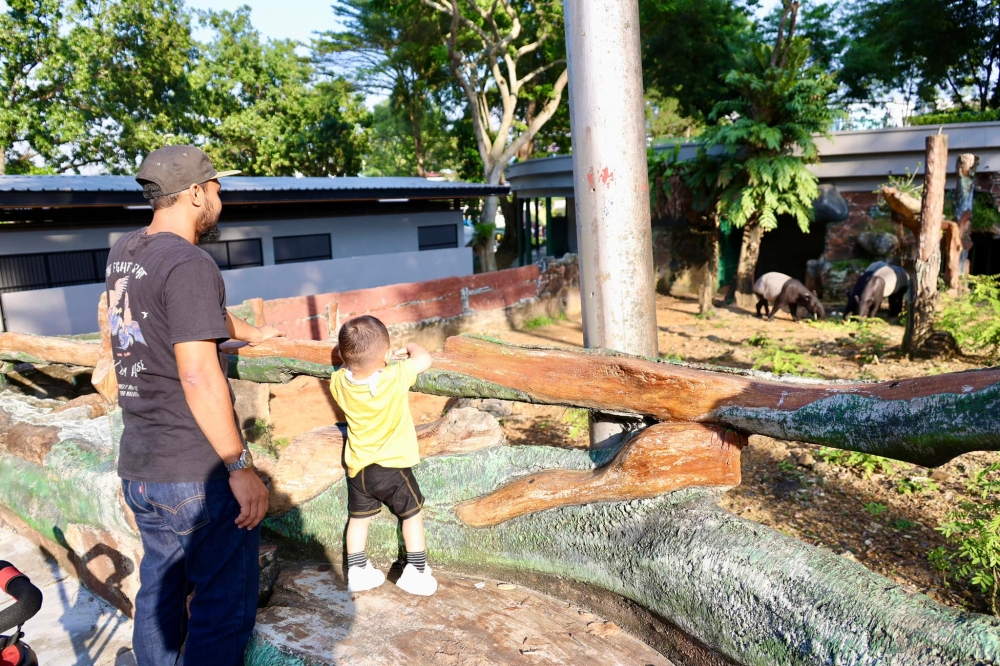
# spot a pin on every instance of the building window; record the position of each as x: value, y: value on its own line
x: 236, y: 253
x: 23, y: 272
x: 437, y: 237
x: 315, y: 247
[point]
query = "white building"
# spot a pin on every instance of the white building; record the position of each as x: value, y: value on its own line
x: 279, y: 237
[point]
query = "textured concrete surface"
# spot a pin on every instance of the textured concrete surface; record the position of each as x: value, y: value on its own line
x: 74, y: 627
x: 313, y: 620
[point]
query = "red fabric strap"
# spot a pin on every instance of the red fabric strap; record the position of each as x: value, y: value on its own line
x: 8, y: 574
x: 11, y: 655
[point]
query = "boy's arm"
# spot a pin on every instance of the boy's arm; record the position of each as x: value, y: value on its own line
x: 421, y: 357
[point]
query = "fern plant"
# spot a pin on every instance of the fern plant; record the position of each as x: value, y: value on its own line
x: 973, y: 532
x: 974, y: 319
x: 756, y: 156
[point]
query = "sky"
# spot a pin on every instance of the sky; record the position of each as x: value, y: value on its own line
x: 278, y: 19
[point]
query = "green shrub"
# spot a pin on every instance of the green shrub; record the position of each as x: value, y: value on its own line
x: 866, y: 463
x: 948, y: 117
x: 985, y: 215
x: 903, y: 524
x: 875, y: 508
x: 973, y: 534
x: 578, y: 421
x: 974, y: 319
x: 780, y: 359
x: 915, y: 485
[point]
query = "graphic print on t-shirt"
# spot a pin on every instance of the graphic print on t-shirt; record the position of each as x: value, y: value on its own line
x: 125, y: 331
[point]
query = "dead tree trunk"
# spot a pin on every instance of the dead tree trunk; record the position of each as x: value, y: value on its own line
x: 965, y: 172
x: 951, y: 248
x: 920, y: 317
x: 745, y: 273
x: 711, y: 277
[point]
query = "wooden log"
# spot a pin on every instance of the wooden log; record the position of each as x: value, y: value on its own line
x: 906, y: 208
x: 25, y: 348
x: 923, y: 289
x: 104, y: 378
x: 314, y: 460
x: 926, y: 421
x: 663, y: 458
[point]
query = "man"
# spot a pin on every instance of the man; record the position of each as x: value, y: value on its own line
x: 186, y: 473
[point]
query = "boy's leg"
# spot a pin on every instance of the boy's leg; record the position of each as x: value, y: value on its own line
x: 357, y: 535
x: 361, y: 507
x: 416, y: 545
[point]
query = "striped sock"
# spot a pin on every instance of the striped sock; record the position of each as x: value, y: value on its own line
x: 357, y: 559
x: 418, y: 560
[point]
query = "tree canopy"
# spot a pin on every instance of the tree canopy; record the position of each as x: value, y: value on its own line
x: 937, y: 48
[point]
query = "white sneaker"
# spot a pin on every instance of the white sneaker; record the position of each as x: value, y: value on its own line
x: 414, y: 582
x: 364, y: 578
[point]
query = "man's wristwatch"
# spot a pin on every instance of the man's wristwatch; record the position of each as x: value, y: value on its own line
x: 245, y: 461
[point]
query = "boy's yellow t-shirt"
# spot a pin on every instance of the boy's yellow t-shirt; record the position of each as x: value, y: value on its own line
x: 379, y: 425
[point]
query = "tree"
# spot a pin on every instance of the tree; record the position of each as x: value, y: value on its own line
x: 89, y: 83
x: 30, y: 44
x: 934, y: 46
x: 764, y: 138
x: 393, y: 48
x: 488, y: 45
x: 259, y: 107
x: 688, y: 46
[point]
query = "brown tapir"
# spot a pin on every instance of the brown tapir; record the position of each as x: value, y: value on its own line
x: 785, y: 291
x: 880, y: 280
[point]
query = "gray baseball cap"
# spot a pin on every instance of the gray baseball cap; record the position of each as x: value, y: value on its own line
x: 173, y: 169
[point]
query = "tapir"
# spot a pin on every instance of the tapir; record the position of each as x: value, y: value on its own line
x: 785, y: 291
x: 880, y: 280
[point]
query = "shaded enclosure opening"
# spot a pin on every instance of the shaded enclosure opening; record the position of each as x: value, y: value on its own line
x: 786, y: 249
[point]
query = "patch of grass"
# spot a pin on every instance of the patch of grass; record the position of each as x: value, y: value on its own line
x: 915, y: 485
x: 786, y: 466
x: 705, y: 315
x: 875, y: 508
x: 780, y: 359
x: 261, y: 433
x: 578, y: 421
x: 536, y: 323
x: 672, y: 356
x: 866, y: 463
x: 903, y: 524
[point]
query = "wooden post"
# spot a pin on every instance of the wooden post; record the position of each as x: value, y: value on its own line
x: 920, y: 317
x: 965, y: 189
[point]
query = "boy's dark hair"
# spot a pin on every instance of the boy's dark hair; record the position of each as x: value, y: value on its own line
x: 362, y: 341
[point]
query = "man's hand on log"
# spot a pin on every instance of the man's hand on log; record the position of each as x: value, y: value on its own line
x: 265, y: 332
x: 252, y: 495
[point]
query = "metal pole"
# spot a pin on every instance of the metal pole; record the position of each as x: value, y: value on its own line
x: 538, y: 226
x: 515, y: 226
x: 548, y: 226
x: 610, y: 182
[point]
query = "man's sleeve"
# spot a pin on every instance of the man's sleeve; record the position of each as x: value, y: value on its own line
x: 193, y: 296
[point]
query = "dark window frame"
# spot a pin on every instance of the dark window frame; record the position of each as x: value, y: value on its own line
x: 229, y: 265
x: 426, y: 244
x: 98, y: 259
x: 299, y: 259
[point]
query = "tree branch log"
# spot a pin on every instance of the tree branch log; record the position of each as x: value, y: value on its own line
x: 664, y: 458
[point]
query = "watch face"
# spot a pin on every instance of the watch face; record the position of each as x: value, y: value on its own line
x: 248, y: 457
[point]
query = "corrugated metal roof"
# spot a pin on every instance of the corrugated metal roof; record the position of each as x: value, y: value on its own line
x: 28, y: 191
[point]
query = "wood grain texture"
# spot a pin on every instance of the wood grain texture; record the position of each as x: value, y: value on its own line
x: 610, y: 381
x: 104, y: 378
x: 314, y: 460
x: 25, y: 348
x: 321, y: 353
x: 663, y: 458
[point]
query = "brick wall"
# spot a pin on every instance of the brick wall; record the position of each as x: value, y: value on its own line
x: 318, y: 317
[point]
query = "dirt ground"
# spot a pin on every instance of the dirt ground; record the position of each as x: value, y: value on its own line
x: 788, y: 485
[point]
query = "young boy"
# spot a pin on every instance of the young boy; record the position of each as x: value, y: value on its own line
x: 381, y: 448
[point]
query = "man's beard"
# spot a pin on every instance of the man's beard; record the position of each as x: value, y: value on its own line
x: 207, y: 226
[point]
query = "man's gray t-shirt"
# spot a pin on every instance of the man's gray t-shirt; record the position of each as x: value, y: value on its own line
x: 162, y: 290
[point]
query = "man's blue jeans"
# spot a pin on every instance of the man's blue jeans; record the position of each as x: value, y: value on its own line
x: 192, y: 544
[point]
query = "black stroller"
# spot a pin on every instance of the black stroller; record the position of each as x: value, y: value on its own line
x: 29, y: 600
